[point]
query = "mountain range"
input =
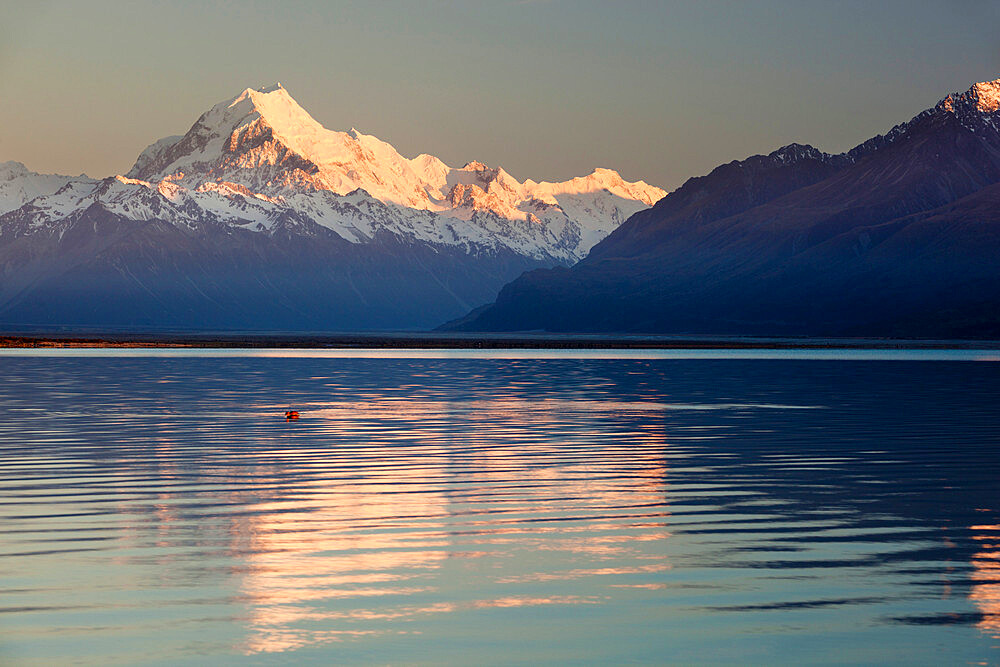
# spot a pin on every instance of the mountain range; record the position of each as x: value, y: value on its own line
x: 899, y: 236
x: 260, y: 218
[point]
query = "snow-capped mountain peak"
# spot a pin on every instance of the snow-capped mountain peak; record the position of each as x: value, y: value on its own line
x: 987, y: 94
x: 983, y: 97
x: 19, y: 185
x: 977, y: 109
x: 259, y: 157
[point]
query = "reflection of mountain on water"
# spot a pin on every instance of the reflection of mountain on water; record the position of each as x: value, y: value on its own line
x: 985, y: 591
x: 353, y: 545
x: 860, y: 487
x: 370, y: 535
x: 479, y: 501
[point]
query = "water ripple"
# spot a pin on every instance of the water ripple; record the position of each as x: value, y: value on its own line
x: 160, y: 509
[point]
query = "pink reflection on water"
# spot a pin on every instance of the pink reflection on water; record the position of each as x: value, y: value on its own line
x: 379, y: 518
x: 986, y: 563
x: 584, y: 573
x: 322, y: 543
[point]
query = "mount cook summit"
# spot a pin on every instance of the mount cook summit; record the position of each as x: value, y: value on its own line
x: 260, y: 218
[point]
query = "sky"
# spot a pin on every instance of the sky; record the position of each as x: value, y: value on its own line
x: 547, y: 89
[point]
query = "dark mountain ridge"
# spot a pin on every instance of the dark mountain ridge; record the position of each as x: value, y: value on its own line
x: 898, y: 236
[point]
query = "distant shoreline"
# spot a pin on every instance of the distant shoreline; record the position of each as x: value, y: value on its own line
x: 466, y: 342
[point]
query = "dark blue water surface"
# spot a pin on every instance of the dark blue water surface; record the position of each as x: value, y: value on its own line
x: 432, y: 510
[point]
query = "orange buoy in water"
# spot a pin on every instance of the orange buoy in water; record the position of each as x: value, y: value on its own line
x: 291, y: 414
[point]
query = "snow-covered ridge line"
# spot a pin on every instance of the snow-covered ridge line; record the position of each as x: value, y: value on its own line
x: 266, y: 127
x: 260, y: 158
x: 19, y: 185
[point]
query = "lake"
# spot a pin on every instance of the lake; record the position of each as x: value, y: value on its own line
x: 484, y: 507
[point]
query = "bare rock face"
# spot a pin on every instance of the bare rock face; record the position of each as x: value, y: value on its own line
x: 260, y: 218
x: 898, y: 236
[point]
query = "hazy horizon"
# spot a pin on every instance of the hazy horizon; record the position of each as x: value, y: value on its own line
x: 548, y: 90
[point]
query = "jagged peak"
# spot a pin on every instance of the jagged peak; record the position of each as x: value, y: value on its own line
x: 263, y: 139
x: 983, y: 97
x: 788, y: 155
x: 272, y: 103
x: 275, y: 105
x: 973, y: 109
x: 215, y: 131
x: 275, y: 88
x: 794, y: 152
x: 987, y: 94
x: 980, y: 98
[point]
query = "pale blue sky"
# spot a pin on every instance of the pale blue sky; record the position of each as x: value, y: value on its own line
x: 548, y: 89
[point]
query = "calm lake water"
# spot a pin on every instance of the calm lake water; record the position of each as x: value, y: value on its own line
x: 527, y: 508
